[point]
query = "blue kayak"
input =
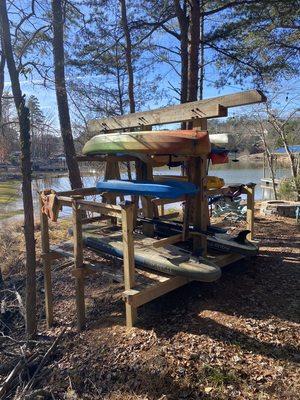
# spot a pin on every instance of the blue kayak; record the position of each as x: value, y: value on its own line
x: 163, y: 190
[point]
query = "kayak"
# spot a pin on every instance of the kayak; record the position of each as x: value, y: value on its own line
x: 179, y: 142
x: 169, y: 259
x: 163, y: 190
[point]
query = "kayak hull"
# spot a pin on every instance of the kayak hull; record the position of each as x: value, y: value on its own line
x: 166, y: 190
x: 179, y: 142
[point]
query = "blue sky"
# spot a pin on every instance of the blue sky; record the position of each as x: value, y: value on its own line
x: 47, y: 99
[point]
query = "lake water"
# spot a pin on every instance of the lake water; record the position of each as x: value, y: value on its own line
x: 231, y: 173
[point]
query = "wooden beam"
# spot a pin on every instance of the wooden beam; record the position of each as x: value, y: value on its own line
x: 141, y: 294
x: 223, y: 260
x: 250, y: 210
x: 106, y: 209
x: 169, y: 240
x: 197, y: 172
x: 159, y: 202
x: 208, y: 108
x: 178, y: 113
x: 79, y: 192
x: 128, y: 258
x: 145, y: 172
x: 46, y: 265
x: 78, y: 263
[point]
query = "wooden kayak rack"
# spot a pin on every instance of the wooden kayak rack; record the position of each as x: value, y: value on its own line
x: 125, y: 214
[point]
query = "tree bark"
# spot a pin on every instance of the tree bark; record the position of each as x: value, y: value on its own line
x: 181, y: 13
x: 194, y: 42
x: 24, y: 125
x: 2, y: 66
x: 128, y: 55
x: 61, y: 93
x: 270, y: 161
x: 202, y: 55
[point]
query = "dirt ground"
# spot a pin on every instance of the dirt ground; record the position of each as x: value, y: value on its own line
x: 237, y: 338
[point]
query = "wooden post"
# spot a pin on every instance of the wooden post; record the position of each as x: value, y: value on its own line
x: 46, y: 266
x: 145, y: 172
x: 112, y: 171
x: 128, y: 258
x: 78, y: 263
x: 250, y: 210
x: 197, y: 172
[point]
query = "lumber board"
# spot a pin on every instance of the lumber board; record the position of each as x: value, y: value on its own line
x: 142, y: 294
x: 159, y: 202
x: 79, y: 192
x: 169, y: 240
x: 226, y: 259
x: 78, y: 263
x: 46, y: 265
x: 166, y: 115
x: 208, y: 108
x: 107, y: 209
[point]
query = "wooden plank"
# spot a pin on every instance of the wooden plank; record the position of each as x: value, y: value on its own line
x: 162, y: 178
x: 78, y: 263
x: 250, y: 210
x: 46, y: 265
x: 208, y: 108
x: 79, y: 192
x: 177, y: 113
x: 226, y: 259
x: 141, y: 294
x: 159, y: 202
x: 145, y: 172
x: 169, y: 240
x: 102, y: 208
x: 128, y: 258
x: 197, y: 172
x: 95, y: 219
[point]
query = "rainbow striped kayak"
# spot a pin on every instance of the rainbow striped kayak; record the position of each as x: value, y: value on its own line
x: 179, y: 142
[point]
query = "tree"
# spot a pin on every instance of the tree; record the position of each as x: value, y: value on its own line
x: 61, y: 92
x: 24, y: 124
x: 2, y: 66
x: 37, y: 119
x: 128, y: 55
x: 280, y: 122
x: 256, y: 41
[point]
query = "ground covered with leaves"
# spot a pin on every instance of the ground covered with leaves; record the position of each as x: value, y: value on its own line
x: 237, y: 338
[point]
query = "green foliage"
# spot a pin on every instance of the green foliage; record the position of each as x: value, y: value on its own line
x: 291, y: 129
x: 257, y: 41
x: 288, y: 189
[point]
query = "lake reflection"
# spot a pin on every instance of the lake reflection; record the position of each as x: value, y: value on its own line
x: 231, y: 173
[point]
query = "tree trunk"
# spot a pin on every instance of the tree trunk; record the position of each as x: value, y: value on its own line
x: 292, y: 160
x: 194, y: 42
x: 24, y: 124
x: 184, y: 28
x: 61, y: 93
x: 2, y: 65
x: 270, y: 161
x: 202, y: 55
x: 119, y: 85
x: 128, y: 55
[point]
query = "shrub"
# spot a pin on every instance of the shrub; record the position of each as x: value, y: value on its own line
x: 287, y: 189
